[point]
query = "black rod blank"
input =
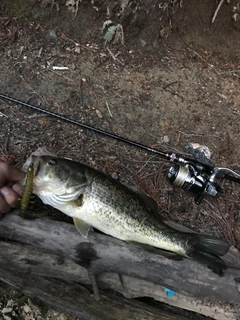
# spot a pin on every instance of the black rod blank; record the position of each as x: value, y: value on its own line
x: 169, y: 156
x: 83, y: 125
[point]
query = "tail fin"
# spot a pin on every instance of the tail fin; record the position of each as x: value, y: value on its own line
x: 207, y: 250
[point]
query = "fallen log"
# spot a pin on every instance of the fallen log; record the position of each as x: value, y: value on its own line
x: 40, y: 254
x: 57, y: 283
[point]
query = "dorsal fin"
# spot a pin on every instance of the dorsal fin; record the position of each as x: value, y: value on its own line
x: 149, y: 202
x: 174, y: 225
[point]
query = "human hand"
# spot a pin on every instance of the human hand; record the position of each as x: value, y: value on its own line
x: 9, y: 188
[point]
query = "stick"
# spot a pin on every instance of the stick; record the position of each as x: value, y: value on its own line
x: 216, y: 12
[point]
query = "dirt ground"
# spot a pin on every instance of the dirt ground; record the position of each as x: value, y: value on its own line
x: 174, y: 80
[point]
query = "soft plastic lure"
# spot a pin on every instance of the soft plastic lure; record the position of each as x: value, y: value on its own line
x: 27, y: 189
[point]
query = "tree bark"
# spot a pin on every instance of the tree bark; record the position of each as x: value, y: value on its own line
x: 50, y: 259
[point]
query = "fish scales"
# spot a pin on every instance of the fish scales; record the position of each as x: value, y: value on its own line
x: 95, y: 200
x: 119, y: 212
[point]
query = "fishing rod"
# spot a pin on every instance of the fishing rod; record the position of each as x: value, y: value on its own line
x: 198, y: 177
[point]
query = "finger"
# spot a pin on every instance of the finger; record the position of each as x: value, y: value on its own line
x: 17, y: 188
x: 10, y: 196
x: 9, y: 173
x: 4, y: 207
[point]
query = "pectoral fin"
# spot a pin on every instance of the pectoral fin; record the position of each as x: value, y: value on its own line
x: 82, y: 227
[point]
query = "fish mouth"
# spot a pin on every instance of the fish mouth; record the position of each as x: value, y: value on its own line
x: 47, y: 185
x: 42, y: 185
x: 39, y: 182
x: 36, y: 161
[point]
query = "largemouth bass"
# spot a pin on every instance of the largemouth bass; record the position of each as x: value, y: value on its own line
x: 95, y: 200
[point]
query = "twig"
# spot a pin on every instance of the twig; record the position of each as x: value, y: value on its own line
x: 216, y: 12
x: 113, y: 56
x: 145, y: 163
x: 109, y: 110
x: 169, y: 84
x: 69, y: 79
x: 6, y: 142
x: 37, y: 116
x: 93, y: 279
x: 201, y: 58
x: 76, y: 10
x: 3, y: 115
x: 230, y: 71
x: 199, y: 135
x: 92, y: 91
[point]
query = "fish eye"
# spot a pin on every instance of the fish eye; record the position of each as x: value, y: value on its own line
x: 52, y: 162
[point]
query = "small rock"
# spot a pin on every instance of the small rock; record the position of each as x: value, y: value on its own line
x: 166, y: 139
x: 26, y: 308
x: 99, y: 114
x: 77, y: 50
x: 9, y: 303
x: 62, y: 317
x: 143, y: 42
x: 115, y: 175
x: 7, y: 310
x: 52, y: 33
